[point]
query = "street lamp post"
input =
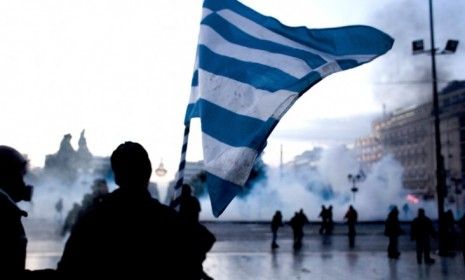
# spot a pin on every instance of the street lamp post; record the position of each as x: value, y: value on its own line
x: 354, y: 179
x: 418, y: 47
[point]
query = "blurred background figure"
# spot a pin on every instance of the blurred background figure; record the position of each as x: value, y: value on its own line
x: 99, y: 190
x: 59, y: 209
x: 297, y: 224
x: 71, y: 218
x: 351, y: 216
x: 324, y: 220
x: 392, y: 230
x: 276, y: 223
x: 422, y: 229
x: 189, y: 210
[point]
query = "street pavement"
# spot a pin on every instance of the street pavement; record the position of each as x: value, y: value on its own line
x: 243, y: 251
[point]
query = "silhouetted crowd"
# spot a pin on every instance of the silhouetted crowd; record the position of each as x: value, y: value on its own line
x: 421, y: 231
x: 125, y: 233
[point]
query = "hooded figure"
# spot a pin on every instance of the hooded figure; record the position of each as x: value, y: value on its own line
x: 13, y: 239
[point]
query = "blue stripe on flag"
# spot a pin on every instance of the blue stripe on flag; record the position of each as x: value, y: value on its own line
x: 237, y: 36
x: 258, y: 75
x: 346, y: 40
x: 229, y: 127
x: 195, y: 78
x: 221, y: 193
x: 347, y: 63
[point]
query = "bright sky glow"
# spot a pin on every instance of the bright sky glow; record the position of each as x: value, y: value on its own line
x: 121, y: 69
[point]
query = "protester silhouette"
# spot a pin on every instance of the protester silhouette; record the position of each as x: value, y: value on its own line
x: 297, y: 224
x: 276, y: 223
x: 59, y: 209
x: 351, y: 216
x: 99, y: 190
x: 189, y: 205
x: 13, y: 241
x: 330, y: 222
x: 324, y: 220
x: 392, y: 230
x: 189, y: 210
x: 449, y: 227
x: 71, y: 218
x: 461, y: 223
x: 421, y: 230
x: 129, y: 233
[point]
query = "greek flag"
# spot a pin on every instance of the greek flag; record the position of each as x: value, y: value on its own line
x: 249, y: 71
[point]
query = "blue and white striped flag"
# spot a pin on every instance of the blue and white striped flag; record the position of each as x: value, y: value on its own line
x: 249, y: 71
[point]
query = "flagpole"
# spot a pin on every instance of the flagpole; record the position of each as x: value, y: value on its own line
x: 182, y: 166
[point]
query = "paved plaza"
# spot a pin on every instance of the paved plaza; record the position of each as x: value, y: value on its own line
x: 243, y: 251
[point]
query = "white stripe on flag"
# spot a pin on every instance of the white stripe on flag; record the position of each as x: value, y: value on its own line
x: 215, y: 42
x: 261, y: 32
x: 231, y: 164
x: 241, y: 97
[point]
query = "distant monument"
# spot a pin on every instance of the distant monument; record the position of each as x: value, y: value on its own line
x: 68, y: 165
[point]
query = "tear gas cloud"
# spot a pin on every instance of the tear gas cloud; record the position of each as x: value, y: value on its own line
x: 326, y: 184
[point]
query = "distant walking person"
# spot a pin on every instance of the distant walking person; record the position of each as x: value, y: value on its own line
x: 129, y: 233
x: 450, y: 233
x: 13, y: 241
x: 324, y: 220
x: 462, y: 228
x: 351, y: 216
x: 330, y: 223
x: 276, y: 223
x: 189, y: 210
x: 422, y: 229
x: 189, y: 205
x: 392, y: 230
x: 297, y: 223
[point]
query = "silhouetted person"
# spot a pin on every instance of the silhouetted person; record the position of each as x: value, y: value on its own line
x: 449, y: 227
x: 330, y: 223
x: 392, y: 230
x: 71, y: 218
x: 59, y: 208
x: 297, y: 223
x: 129, y: 233
x: 324, y: 220
x: 189, y: 210
x: 189, y: 205
x: 461, y: 223
x: 351, y: 216
x: 276, y: 223
x: 13, y: 241
x: 99, y: 190
x: 422, y: 229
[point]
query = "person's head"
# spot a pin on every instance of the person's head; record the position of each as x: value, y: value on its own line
x: 131, y: 166
x: 100, y: 187
x: 13, y: 167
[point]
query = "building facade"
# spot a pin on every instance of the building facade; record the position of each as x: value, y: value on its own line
x: 408, y: 134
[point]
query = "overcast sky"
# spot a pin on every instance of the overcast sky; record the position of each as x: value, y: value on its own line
x: 121, y: 69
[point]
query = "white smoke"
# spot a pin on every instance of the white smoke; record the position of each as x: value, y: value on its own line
x: 381, y: 189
